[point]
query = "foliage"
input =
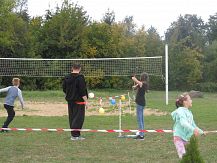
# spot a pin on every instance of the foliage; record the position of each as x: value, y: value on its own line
x: 68, y: 32
x: 188, y: 29
x: 62, y: 32
x: 210, y: 63
x: 154, y: 45
x: 192, y: 152
x: 109, y: 17
x: 100, y: 37
x: 205, y: 87
x: 187, y: 43
x: 185, y: 67
x: 212, y: 28
x: 15, y: 39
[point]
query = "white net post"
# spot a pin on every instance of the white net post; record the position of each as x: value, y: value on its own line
x: 166, y: 74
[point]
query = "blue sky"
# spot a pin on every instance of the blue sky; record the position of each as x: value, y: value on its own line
x: 158, y: 13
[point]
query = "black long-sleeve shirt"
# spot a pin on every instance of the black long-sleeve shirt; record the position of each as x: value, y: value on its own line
x: 74, y: 87
x: 140, y: 96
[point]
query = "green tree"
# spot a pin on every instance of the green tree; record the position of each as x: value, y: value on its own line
x: 185, y: 67
x: 15, y: 39
x: 192, y: 152
x: 188, y: 29
x: 101, y: 37
x: 212, y: 28
x: 109, y: 17
x: 63, y: 31
x: 129, y: 25
x: 186, y: 38
x: 35, y: 30
x: 21, y: 9
x: 210, y: 60
x: 154, y: 44
x: 6, y: 8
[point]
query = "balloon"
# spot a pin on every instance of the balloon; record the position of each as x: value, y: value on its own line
x: 113, y: 102
x: 101, y: 111
x: 91, y: 95
x: 122, y: 97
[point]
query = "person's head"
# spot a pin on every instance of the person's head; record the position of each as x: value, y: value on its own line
x: 144, y: 77
x: 76, y: 68
x: 16, y: 82
x: 184, y: 100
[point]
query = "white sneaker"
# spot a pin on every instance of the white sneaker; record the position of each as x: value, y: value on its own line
x: 77, y: 138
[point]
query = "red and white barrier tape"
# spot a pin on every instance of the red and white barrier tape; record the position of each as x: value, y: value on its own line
x: 83, y: 130
x: 90, y: 130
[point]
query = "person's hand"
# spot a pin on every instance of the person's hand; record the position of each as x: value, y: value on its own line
x: 196, y: 132
x: 135, y: 86
x: 133, y: 75
x: 205, y: 133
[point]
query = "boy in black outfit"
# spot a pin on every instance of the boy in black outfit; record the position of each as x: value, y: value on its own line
x: 74, y: 87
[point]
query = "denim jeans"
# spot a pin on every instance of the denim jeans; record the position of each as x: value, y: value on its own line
x: 140, y: 118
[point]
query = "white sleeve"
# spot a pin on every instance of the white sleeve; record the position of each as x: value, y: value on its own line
x: 4, y: 89
x: 20, y: 98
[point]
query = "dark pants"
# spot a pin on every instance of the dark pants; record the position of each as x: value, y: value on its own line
x: 11, y: 114
x: 76, y: 117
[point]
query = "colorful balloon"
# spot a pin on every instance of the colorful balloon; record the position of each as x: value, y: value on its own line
x: 91, y: 95
x: 101, y: 111
x: 113, y: 101
x: 122, y: 97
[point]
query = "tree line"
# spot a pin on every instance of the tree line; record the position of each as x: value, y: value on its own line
x: 68, y: 32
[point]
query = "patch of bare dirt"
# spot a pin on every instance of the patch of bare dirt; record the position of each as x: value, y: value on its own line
x: 60, y: 109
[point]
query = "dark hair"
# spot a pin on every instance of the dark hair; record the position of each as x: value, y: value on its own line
x: 144, y: 77
x: 76, y: 66
x: 181, y: 99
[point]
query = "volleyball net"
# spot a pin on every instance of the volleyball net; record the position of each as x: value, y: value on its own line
x: 93, y: 67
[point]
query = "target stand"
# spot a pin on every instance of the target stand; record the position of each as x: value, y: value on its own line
x: 120, y: 125
x: 126, y: 136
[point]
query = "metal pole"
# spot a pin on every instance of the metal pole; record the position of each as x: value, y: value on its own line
x: 166, y: 73
x: 129, y: 99
x: 120, y: 134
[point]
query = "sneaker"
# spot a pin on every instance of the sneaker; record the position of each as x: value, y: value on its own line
x: 77, y: 138
x: 2, y: 130
x: 139, y: 137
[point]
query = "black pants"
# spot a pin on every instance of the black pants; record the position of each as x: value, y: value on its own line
x: 76, y: 117
x: 11, y: 115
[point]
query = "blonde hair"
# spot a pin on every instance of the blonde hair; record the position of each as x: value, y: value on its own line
x: 16, y: 81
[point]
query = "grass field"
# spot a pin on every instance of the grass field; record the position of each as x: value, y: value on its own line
x: 48, y: 147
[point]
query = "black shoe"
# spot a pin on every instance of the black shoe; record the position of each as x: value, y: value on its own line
x: 2, y: 131
x: 139, y: 137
